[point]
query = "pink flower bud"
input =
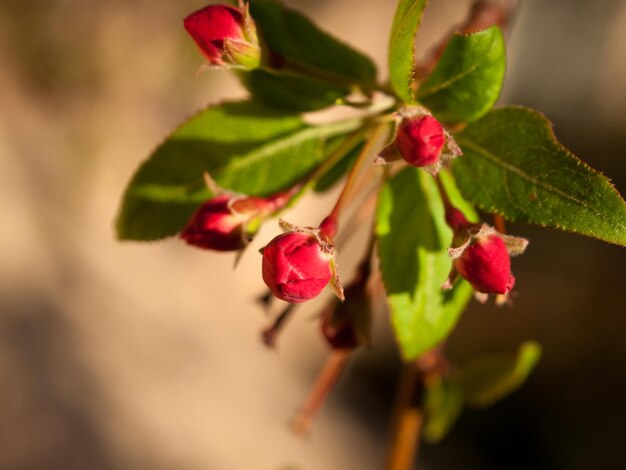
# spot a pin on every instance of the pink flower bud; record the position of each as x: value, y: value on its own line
x: 420, y: 140
x: 215, y: 226
x: 296, y: 267
x: 485, y: 263
x: 225, y: 35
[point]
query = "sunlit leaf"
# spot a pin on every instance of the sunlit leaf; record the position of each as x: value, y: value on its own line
x: 401, y: 57
x: 412, y: 246
x: 468, y: 77
x: 244, y: 146
x: 513, y: 165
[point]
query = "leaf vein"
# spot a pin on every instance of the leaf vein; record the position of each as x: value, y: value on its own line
x: 448, y: 83
x: 513, y: 169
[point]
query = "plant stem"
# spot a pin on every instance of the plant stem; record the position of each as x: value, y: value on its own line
x: 358, y: 217
x: 409, y: 414
x: 443, y: 193
x: 334, y: 158
x: 499, y: 223
x: 326, y: 379
x: 331, y: 161
x: 329, y: 225
x: 408, y: 420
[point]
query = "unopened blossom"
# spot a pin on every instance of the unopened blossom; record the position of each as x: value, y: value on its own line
x: 228, y: 222
x: 215, y: 226
x: 486, y: 265
x: 225, y: 35
x: 296, y: 266
x: 482, y: 255
x: 420, y: 140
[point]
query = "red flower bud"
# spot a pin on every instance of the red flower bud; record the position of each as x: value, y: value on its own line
x: 420, y: 140
x: 226, y: 35
x: 296, y: 266
x: 485, y: 263
x: 215, y: 226
x: 456, y: 219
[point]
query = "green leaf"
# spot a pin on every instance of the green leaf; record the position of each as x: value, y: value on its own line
x: 310, y: 69
x: 444, y: 404
x: 245, y: 146
x: 412, y: 243
x: 402, y: 47
x: 492, y: 378
x: 298, y: 93
x: 513, y: 165
x: 468, y: 78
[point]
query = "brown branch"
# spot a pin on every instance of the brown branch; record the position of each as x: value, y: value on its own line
x: 324, y: 383
x: 408, y: 420
x: 499, y: 223
x: 409, y: 413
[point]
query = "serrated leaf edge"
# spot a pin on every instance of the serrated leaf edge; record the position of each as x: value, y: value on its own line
x: 552, y: 135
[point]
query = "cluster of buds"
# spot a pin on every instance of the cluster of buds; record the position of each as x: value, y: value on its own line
x: 298, y: 264
x: 482, y: 255
x: 421, y: 141
x: 228, y: 222
x: 226, y: 36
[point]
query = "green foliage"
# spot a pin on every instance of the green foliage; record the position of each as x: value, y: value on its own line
x: 245, y: 147
x: 489, y: 379
x: 412, y: 246
x: 443, y: 406
x: 513, y: 165
x: 401, y: 55
x: 292, y: 92
x: 311, y: 69
x: 468, y: 78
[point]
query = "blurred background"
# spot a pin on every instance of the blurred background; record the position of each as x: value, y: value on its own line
x: 128, y: 355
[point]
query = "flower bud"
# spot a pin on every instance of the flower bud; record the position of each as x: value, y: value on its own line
x: 420, y: 140
x: 485, y: 263
x: 347, y: 325
x: 214, y: 226
x: 297, y: 266
x: 225, y: 35
x: 456, y: 219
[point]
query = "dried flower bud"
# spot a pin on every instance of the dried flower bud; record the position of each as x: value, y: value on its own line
x: 485, y: 263
x: 420, y: 140
x: 226, y: 36
x: 297, y: 266
x: 347, y: 325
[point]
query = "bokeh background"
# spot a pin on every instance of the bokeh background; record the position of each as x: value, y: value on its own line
x: 127, y: 355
